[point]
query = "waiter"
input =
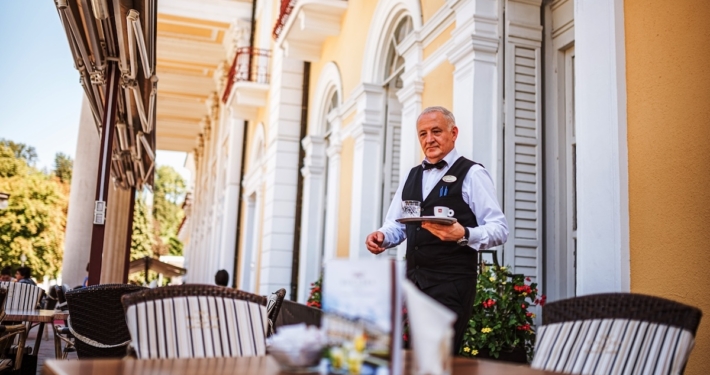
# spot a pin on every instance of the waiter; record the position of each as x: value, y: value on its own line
x: 442, y: 259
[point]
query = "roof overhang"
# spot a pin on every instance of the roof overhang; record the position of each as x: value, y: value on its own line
x: 309, y: 24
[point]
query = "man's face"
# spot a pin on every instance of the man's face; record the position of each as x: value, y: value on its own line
x: 17, y: 275
x: 435, y: 137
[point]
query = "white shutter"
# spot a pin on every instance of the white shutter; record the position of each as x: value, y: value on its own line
x: 523, y: 143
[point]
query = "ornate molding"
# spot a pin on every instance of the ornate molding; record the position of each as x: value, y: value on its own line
x: 308, y: 25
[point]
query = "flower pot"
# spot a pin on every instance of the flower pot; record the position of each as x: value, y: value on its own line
x: 516, y: 355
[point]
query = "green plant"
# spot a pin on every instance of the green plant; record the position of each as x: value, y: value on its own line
x: 315, y: 296
x: 501, y: 321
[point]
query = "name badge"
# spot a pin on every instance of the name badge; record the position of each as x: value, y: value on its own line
x: 449, y: 178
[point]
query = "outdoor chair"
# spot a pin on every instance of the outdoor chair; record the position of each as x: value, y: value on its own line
x: 61, y: 297
x: 188, y: 321
x: 97, y: 322
x: 617, y: 333
x: 296, y: 313
x: 8, y: 333
x: 273, y: 306
x: 21, y: 296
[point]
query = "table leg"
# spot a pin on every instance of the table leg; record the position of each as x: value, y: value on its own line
x: 38, y: 341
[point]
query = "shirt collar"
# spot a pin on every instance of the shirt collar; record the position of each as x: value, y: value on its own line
x: 450, y: 158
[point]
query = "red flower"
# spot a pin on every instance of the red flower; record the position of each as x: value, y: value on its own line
x: 527, y: 279
x: 405, y: 337
x: 522, y: 305
x: 528, y: 314
x: 543, y: 299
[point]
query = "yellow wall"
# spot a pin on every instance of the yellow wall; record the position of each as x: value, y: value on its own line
x: 430, y: 7
x: 439, y: 87
x: 438, y: 41
x: 346, y: 49
x: 346, y: 193
x: 668, y: 88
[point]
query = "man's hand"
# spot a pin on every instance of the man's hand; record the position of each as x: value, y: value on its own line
x: 374, y: 242
x: 445, y: 232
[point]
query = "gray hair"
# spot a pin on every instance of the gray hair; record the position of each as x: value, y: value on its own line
x: 450, y: 120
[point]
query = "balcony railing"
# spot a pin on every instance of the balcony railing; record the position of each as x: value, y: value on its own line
x: 250, y: 65
x: 286, y: 9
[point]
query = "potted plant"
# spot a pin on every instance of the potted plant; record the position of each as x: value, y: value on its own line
x: 314, y: 296
x: 501, y: 326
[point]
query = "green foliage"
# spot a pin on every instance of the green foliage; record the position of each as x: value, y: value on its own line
x: 10, y: 165
x: 169, y: 191
x: 21, y: 151
x: 501, y: 320
x: 63, y: 165
x: 142, y: 238
x: 34, y: 222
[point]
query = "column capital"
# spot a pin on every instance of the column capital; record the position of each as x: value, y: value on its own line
x: 412, y: 91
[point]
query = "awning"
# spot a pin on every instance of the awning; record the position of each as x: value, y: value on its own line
x: 153, y: 264
x: 102, y: 33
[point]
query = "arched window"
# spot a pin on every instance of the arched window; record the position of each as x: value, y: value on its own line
x: 391, y: 80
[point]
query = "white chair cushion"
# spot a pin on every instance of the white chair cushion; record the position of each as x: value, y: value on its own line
x: 612, y: 346
x: 197, y: 326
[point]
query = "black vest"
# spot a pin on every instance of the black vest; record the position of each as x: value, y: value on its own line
x: 431, y: 261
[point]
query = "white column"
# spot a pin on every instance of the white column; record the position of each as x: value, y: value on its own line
x: 281, y: 175
x: 476, y: 83
x: 77, y: 239
x: 367, y: 168
x: 311, y: 213
x: 602, y: 160
x: 232, y: 192
x: 330, y: 245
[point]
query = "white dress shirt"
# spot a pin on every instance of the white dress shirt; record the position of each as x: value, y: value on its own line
x: 477, y: 191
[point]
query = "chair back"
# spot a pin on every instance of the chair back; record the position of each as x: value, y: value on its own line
x: 616, y: 333
x: 273, y: 306
x: 3, y: 296
x: 21, y: 296
x: 189, y: 321
x: 296, y: 313
x: 97, y: 322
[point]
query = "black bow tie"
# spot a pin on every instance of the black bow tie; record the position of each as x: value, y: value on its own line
x: 439, y: 165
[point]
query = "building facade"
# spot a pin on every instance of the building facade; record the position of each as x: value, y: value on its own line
x: 590, y: 115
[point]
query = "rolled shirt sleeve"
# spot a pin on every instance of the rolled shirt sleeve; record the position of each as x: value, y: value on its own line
x: 478, y: 190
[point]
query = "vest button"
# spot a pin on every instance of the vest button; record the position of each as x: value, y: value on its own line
x: 416, y: 247
x: 418, y: 229
x: 417, y: 267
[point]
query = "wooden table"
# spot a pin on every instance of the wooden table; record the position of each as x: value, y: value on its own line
x: 243, y: 366
x: 35, y: 316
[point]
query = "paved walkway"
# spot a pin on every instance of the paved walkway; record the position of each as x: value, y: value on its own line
x: 46, y: 348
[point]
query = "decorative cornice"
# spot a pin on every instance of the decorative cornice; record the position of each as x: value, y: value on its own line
x: 309, y: 24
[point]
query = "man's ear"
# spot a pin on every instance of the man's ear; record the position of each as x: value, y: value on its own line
x: 455, y: 132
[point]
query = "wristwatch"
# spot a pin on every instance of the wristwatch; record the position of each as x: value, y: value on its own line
x: 464, y: 240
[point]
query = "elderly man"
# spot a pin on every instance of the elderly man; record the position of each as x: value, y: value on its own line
x: 441, y: 258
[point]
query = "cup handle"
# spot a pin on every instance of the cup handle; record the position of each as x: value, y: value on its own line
x: 451, y: 213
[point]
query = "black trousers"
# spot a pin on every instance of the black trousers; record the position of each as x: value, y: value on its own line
x: 458, y: 296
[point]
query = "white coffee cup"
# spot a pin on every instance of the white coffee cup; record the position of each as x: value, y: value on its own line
x: 442, y: 211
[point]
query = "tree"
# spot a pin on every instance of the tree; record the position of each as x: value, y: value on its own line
x: 63, y: 164
x: 21, y: 150
x: 34, y: 222
x: 142, y: 237
x: 169, y: 190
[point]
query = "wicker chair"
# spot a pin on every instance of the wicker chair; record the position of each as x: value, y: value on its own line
x: 8, y: 333
x: 273, y: 306
x: 97, y: 322
x: 296, y: 313
x: 187, y: 321
x: 617, y: 333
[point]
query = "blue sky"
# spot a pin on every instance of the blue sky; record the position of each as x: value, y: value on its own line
x: 40, y: 94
